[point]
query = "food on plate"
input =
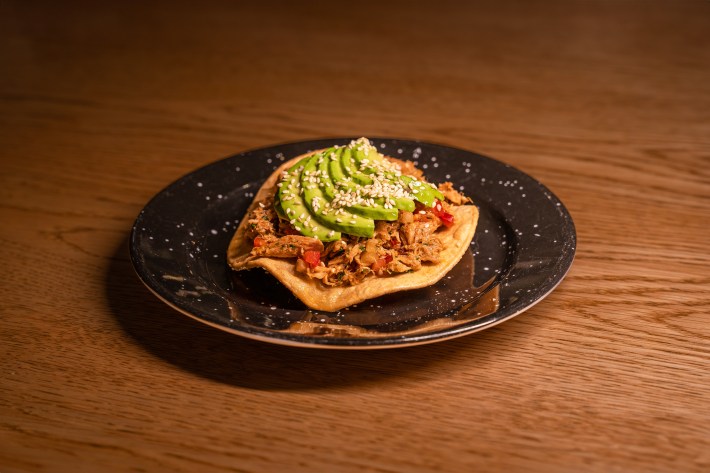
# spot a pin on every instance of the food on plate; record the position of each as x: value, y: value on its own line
x: 345, y: 224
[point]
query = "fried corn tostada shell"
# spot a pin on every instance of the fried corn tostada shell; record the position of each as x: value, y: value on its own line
x: 314, y: 294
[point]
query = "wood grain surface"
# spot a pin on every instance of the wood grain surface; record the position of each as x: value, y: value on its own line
x: 102, y: 104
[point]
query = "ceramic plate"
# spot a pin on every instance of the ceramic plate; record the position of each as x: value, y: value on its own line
x: 523, y: 247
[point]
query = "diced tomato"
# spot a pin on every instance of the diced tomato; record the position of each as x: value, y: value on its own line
x: 258, y: 241
x: 381, y: 263
x: 394, y: 243
x: 446, y: 218
x: 312, y: 258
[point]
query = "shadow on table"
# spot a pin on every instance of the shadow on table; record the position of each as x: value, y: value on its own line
x: 226, y: 358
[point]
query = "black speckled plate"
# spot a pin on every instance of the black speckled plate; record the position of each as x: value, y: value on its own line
x: 523, y: 247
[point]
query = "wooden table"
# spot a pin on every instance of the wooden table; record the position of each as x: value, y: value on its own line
x: 607, y: 103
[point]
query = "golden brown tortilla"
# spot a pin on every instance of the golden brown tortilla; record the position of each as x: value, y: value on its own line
x: 316, y: 295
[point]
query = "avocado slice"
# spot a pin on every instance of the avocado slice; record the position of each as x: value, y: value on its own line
x: 320, y: 208
x: 371, y: 162
x: 421, y: 191
x: 342, y: 182
x: 295, y: 209
x: 351, y: 167
x: 323, y: 166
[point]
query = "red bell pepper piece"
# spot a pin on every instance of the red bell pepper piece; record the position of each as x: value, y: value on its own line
x: 446, y: 218
x: 381, y: 263
x: 312, y: 258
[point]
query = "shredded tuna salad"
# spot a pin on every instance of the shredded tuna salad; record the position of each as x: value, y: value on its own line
x: 397, y: 246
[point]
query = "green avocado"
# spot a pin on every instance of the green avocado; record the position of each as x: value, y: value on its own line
x: 351, y: 167
x: 294, y: 208
x: 323, y: 166
x: 326, y: 194
x: 320, y: 208
x: 371, y: 162
x: 344, y: 183
x: 421, y: 191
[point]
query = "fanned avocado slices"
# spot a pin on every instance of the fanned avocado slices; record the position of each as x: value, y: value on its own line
x: 294, y: 208
x: 338, y: 219
x: 370, y: 162
x: 344, y: 189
